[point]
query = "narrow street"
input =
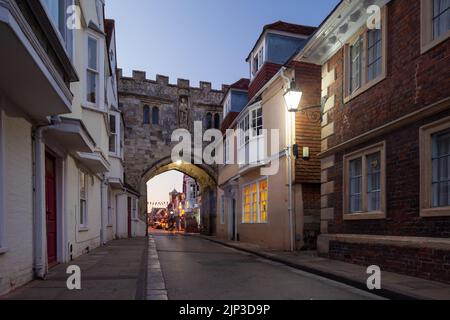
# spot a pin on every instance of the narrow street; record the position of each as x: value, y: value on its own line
x: 197, y: 269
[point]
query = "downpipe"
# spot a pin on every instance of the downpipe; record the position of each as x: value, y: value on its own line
x: 288, y: 150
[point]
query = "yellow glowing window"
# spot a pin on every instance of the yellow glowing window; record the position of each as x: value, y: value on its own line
x: 263, y: 197
x: 254, y: 202
x: 247, y: 204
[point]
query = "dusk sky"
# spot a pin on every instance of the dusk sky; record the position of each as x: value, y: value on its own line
x: 199, y: 40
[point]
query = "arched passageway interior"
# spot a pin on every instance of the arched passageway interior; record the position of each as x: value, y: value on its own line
x: 205, y: 196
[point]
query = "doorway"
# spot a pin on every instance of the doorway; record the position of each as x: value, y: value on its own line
x: 232, y: 219
x: 51, y: 209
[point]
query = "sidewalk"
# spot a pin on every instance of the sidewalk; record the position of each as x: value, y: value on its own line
x: 394, y: 286
x: 112, y: 272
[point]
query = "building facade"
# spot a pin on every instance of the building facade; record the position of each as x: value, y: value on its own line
x: 56, y: 170
x: 266, y: 196
x: 385, y: 135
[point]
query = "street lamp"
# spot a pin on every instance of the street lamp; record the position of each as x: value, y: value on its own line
x: 292, y: 97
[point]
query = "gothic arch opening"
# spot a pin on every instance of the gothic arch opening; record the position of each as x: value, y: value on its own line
x: 205, y: 177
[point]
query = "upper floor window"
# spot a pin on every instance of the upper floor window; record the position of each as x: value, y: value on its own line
x: 435, y: 23
x: 209, y: 120
x: 441, y: 17
x: 155, y: 115
x: 113, y: 134
x: 146, y: 114
x: 57, y: 10
x: 227, y: 106
x: 256, y: 122
x: 365, y: 59
x: 364, y: 184
x: 244, y: 127
x: 217, y: 121
x: 435, y: 169
x: 257, y: 61
x: 92, y: 71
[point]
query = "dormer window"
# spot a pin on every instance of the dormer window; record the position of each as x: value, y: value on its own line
x: 227, y: 106
x: 257, y: 61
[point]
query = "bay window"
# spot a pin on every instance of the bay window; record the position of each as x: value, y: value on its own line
x: 435, y: 169
x: 255, y: 202
x: 250, y: 137
x: 92, y: 71
x: 113, y: 134
x: 364, y: 184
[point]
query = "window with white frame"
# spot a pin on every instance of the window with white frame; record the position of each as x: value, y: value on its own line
x: 435, y: 23
x: 255, y: 202
x: 441, y: 169
x: 365, y: 58
x: 57, y: 11
x: 258, y: 61
x: 441, y: 17
x: 244, y: 127
x: 364, y: 183
x: 83, y: 199
x: 92, y: 83
x: 226, y: 151
x: 113, y: 134
x: 435, y: 169
x: 256, y: 117
x: 227, y: 106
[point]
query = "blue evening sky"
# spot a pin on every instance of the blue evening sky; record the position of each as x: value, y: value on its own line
x: 199, y: 40
x: 204, y: 40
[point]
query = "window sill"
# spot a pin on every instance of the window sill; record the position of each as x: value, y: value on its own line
x: 3, y: 251
x: 435, y: 212
x: 83, y: 230
x: 365, y: 87
x: 430, y: 45
x: 93, y: 108
x: 364, y: 216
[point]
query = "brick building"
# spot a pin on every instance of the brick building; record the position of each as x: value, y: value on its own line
x: 385, y: 135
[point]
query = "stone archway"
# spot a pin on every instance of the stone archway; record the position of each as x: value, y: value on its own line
x: 204, y: 175
x: 148, y: 145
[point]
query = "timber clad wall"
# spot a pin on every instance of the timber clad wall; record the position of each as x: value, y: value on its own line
x: 413, y: 81
x: 307, y: 130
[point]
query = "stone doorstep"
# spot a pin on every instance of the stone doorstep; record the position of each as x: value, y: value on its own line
x: 399, y: 287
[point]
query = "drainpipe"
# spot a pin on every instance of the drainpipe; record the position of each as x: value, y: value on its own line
x: 40, y: 227
x: 288, y: 150
x: 104, y: 209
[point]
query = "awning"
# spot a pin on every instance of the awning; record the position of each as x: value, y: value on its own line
x: 94, y: 161
x: 72, y: 136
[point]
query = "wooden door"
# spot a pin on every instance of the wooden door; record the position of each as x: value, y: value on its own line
x: 50, y: 204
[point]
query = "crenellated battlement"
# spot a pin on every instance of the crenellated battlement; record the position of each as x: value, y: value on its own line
x: 141, y: 76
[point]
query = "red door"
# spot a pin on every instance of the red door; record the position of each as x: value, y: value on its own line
x: 50, y: 204
x: 129, y: 217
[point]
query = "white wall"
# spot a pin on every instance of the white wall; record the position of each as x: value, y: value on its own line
x: 16, y: 264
